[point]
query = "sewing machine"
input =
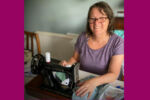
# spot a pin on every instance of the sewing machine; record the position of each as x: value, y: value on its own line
x: 57, y: 79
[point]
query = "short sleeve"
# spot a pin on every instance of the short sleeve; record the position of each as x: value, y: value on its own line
x: 119, y: 46
x: 79, y: 42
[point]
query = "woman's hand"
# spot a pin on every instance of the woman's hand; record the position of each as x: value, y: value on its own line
x: 85, y: 87
x: 63, y: 63
x: 71, y: 61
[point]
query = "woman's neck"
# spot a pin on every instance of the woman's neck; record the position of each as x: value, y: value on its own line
x: 100, y: 37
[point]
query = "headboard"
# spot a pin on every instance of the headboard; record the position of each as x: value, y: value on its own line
x: 119, y: 23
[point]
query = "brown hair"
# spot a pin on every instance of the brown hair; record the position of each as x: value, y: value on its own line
x: 102, y: 6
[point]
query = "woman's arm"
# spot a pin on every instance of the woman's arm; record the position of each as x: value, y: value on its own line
x: 113, y: 73
x: 72, y: 60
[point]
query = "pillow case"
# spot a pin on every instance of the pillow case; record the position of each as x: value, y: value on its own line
x: 120, y: 33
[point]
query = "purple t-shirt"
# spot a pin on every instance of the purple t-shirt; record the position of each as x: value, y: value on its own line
x: 97, y: 61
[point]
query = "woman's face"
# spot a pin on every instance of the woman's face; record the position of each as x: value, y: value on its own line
x: 98, y: 21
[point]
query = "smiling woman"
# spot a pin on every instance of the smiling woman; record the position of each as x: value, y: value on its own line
x: 105, y: 17
x: 98, y: 22
x: 98, y: 50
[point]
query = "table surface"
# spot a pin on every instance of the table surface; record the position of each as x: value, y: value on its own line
x: 32, y: 87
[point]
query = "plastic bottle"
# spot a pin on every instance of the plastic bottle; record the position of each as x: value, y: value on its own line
x: 48, y: 57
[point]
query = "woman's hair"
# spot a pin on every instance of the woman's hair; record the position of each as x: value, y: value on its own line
x: 102, y: 7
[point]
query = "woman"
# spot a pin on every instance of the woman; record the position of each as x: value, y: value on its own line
x: 98, y: 50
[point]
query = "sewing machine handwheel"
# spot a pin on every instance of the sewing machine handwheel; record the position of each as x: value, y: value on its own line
x: 37, y: 64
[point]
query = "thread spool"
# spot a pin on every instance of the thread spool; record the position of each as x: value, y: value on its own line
x: 48, y: 57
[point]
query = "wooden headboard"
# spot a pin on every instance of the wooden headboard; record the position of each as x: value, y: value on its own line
x: 119, y: 23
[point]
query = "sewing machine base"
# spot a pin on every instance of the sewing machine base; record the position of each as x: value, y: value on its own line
x: 33, y: 88
x: 67, y: 93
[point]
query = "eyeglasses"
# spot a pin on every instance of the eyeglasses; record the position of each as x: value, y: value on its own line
x: 100, y: 19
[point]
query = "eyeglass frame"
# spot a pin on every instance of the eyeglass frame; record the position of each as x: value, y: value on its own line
x: 97, y: 19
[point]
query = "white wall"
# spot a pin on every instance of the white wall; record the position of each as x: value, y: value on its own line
x: 60, y: 16
x: 59, y: 45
